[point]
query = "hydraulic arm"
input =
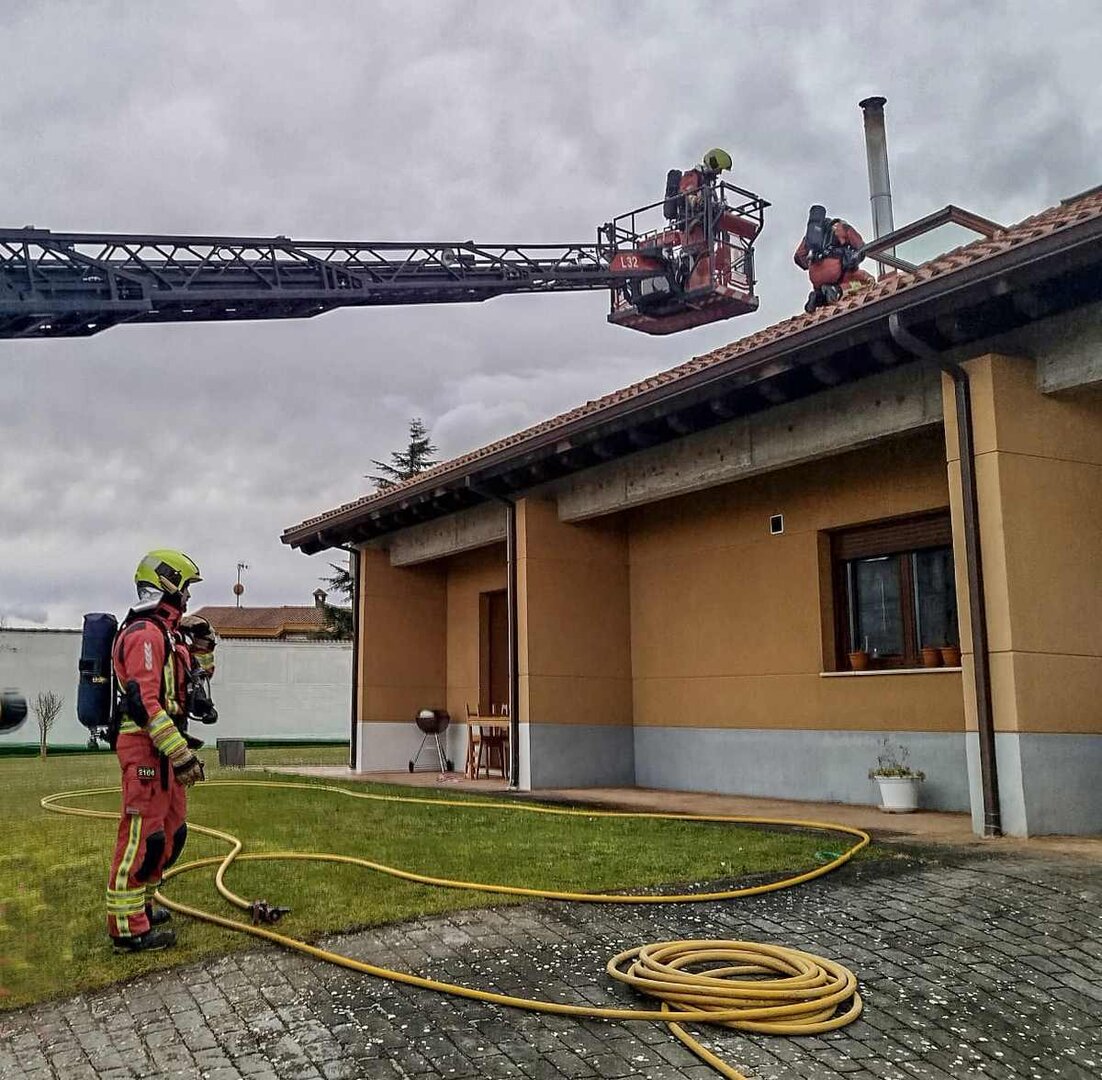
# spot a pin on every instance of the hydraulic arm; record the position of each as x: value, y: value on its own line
x: 661, y: 280
x: 76, y: 284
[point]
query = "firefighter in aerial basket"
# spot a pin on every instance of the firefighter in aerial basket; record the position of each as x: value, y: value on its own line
x: 152, y: 661
x: 830, y: 252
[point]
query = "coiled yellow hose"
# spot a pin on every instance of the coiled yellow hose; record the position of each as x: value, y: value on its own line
x: 755, y: 987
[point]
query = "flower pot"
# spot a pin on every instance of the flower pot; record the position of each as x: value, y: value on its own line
x: 950, y: 655
x: 898, y: 794
x: 859, y: 661
x: 931, y: 656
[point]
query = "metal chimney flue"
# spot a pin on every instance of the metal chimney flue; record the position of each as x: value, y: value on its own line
x: 876, y: 150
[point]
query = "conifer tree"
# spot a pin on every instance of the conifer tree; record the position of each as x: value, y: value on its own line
x: 405, y: 464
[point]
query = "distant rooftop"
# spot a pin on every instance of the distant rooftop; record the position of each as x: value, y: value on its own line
x: 264, y: 622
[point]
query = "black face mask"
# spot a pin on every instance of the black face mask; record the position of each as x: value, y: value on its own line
x: 171, y: 607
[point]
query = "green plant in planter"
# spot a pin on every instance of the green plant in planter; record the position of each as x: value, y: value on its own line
x: 892, y: 761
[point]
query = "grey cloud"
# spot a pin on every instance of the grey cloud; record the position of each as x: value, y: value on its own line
x: 20, y: 615
x: 491, y: 121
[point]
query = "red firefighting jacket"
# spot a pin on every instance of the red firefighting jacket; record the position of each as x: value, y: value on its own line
x: 829, y: 269
x: 151, y: 667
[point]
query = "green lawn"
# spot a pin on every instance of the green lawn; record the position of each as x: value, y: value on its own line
x: 53, y: 868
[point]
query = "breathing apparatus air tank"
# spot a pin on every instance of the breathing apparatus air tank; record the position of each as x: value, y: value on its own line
x: 95, y: 690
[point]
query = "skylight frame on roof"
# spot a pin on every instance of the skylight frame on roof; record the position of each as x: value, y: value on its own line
x: 882, y: 249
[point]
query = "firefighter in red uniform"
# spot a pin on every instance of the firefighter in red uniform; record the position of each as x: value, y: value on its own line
x: 830, y: 253
x: 151, y: 662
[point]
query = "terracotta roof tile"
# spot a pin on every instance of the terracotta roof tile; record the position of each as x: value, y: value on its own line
x: 226, y: 620
x: 1045, y: 223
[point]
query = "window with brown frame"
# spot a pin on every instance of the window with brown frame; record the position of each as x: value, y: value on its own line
x: 894, y: 590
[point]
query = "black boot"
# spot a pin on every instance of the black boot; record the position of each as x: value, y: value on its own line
x: 150, y: 941
x: 157, y: 916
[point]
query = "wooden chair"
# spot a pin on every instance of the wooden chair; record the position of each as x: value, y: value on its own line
x: 474, y: 739
x: 494, y: 743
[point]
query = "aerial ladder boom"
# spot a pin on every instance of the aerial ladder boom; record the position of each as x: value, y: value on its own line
x: 688, y: 269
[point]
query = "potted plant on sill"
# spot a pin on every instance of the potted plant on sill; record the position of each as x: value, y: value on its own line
x: 859, y: 658
x: 897, y: 781
x: 950, y: 655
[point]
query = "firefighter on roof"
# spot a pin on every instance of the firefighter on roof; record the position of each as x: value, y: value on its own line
x: 830, y: 253
x: 151, y: 663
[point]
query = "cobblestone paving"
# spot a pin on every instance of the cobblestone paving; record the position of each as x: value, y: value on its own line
x: 970, y: 966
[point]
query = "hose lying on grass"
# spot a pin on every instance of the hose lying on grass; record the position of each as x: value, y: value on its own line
x: 744, y: 985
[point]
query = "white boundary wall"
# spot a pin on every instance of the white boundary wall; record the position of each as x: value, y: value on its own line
x: 263, y: 689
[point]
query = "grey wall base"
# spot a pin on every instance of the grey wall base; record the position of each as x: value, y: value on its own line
x: 1047, y: 783
x: 551, y: 755
x: 389, y: 747
x: 818, y: 766
x: 576, y: 755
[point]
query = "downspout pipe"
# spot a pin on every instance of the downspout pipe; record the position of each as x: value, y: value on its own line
x: 989, y: 778
x: 354, y: 717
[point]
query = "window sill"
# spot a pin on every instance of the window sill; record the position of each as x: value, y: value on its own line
x: 891, y: 671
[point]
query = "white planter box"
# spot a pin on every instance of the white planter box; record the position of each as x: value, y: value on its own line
x: 898, y: 794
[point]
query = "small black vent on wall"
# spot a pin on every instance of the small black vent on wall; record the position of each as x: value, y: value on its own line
x: 776, y: 524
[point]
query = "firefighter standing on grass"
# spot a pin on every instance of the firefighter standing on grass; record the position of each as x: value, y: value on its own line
x: 151, y: 662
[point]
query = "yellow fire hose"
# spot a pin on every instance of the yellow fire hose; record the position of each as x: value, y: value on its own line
x: 802, y: 994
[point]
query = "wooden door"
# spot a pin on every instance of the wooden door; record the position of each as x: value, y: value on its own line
x: 493, y: 650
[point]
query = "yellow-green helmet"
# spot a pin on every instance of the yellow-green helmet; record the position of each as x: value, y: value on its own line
x: 717, y: 160
x: 167, y: 571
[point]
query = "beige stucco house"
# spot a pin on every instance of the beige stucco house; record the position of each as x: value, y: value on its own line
x: 666, y: 583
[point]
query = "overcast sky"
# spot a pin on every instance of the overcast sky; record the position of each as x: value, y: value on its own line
x: 499, y: 120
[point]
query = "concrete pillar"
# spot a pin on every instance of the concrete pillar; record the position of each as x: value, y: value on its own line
x: 575, y: 650
x: 403, y: 651
x: 1039, y: 481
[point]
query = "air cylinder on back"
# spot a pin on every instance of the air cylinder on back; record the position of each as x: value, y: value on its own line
x: 94, y: 688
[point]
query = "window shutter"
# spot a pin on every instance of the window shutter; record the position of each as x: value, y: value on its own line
x: 888, y: 538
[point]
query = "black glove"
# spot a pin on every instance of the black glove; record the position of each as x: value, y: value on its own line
x: 189, y: 771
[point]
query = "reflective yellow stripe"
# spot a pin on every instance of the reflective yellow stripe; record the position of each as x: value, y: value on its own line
x: 121, y: 911
x: 172, y: 743
x: 166, y: 738
x: 124, y: 894
x: 157, y: 723
x: 123, y: 872
x: 170, y: 683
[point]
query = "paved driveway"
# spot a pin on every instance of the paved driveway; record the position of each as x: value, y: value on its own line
x: 971, y: 965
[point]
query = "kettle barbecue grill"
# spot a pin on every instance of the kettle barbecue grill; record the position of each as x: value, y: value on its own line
x: 433, y: 722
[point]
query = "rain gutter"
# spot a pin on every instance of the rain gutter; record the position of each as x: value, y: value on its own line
x: 977, y: 607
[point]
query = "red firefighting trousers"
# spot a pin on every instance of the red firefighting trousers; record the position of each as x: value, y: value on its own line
x: 152, y: 831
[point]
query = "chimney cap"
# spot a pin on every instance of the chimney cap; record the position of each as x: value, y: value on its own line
x: 873, y: 102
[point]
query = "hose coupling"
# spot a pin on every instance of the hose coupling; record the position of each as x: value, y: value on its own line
x: 263, y: 912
